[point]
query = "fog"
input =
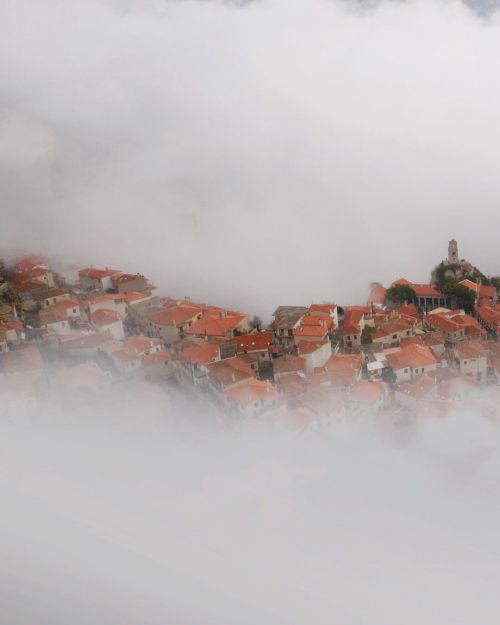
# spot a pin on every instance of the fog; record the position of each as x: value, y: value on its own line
x: 255, y: 153
x: 107, y: 522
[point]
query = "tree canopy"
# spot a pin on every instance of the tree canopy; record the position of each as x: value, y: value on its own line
x: 398, y: 294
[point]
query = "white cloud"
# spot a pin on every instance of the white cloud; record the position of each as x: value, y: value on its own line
x: 273, y: 153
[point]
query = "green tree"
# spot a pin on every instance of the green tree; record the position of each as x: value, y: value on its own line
x: 459, y: 296
x: 398, y: 294
x: 366, y: 335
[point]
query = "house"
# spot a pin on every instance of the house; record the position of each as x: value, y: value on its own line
x: 51, y: 296
x: 220, y: 324
x: 489, y: 318
x: 171, y: 323
x: 354, y: 322
x: 315, y: 353
x: 366, y: 396
x: 37, y: 275
x: 54, y: 320
x: 312, y: 328
x: 193, y: 358
x: 24, y: 364
x: 285, y: 320
x: 107, y: 301
x: 345, y: 370
x: 426, y: 296
x: 455, y: 326
x: 225, y: 374
x: 325, y: 310
x: 410, y: 393
x: 481, y: 291
x: 126, y: 361
x: 130, y: 282
x: 288, y: 364
x: 472, y: 359
x: 390, y: 332
x: 251, y: 397
x: 11, y: 333
x: 257, y: 343
x: 410, y: 361
x: 57, y: 317
x: 92, y: 279
x: 108, y: 321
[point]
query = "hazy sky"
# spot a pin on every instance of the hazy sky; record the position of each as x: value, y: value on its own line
x: 277, y: 152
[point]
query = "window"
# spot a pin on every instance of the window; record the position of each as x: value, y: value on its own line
x: 394, y: 336
x: 465, y: 362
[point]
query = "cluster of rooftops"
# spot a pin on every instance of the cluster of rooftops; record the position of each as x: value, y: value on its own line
x: 310, y: 364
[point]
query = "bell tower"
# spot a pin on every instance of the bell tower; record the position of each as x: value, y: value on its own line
x: 453, y: 251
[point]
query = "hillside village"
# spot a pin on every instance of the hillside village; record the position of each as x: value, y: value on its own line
x: 410, y: 351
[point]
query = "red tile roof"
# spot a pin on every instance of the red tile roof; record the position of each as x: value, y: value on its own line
x: 344, y: 362
x: 289, y: 363
x: 175, y: 315
x: 308, y: 347
x: 104, y: 317
x: 482, y: 290
x: 252, y: 391
x: 421, y: 290
x: 310, y: 330
x: 352, y: 321
x: 229, y: 371
x: 210, y: 325
x: 96, y: 274
x: 390, y: 327
x: 365, y: 392
x: 200, y: 355
x: 257, y: 341
x: 470, y: 349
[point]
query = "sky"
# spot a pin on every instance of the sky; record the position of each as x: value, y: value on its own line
x: 252, y: 154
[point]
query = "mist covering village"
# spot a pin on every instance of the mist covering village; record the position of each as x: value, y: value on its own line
x: 409, y: 352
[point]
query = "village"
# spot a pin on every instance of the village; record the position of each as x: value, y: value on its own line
x: 410, y: 351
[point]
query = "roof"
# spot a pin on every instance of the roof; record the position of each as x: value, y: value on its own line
x: 490, y: 316
x: 27, y: 358
x: 470, y: 349
x: 327, y: 309
x: 96, y: 274
x: 251, y: 391
x: 104, y: 317
x: 105, y: 297
x: 202, y: 355
x: 229, y: 371
x: 289, y: 363
x: 258, y: 341
x: 411, y: 356
x: 87, y: 341
x: 135, y: 296
x: 419, y: 387
x: 310, y: 330
x: 391, y: 326
x: 352, y: 320
x: 141, y: 344
x: 421, y: 290
x: 366, y: 392
x: 125, y: 355
x: 210, y: 325
x: 120, y: 277
x: 482, y: 290
x: 344, y: 362
x: 40, y: 297
x: 175, y: 315
x: 51, y: 315
x: 287, y: 316
x: 148, y: 360
x: 308, y: 347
